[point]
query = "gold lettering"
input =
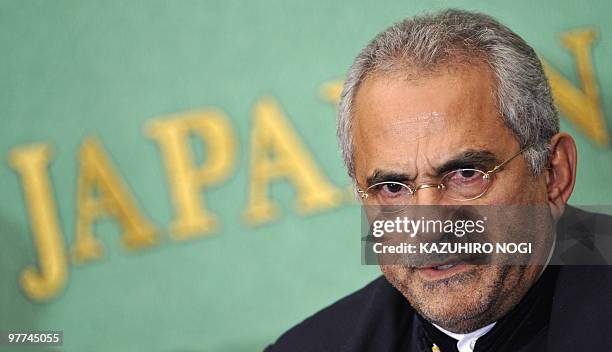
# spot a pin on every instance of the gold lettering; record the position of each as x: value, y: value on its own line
x: 581, y: 106
x: 101, y: 192
x: 277, y: 152
x: 330, y: 91
x: 31, y: 163
x: 185, y: 177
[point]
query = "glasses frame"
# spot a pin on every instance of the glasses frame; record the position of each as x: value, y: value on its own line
x: 488, y: 175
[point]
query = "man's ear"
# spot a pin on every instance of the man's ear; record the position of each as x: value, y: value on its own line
x: 561, y: 175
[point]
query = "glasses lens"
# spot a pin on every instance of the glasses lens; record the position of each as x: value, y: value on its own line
x: 389, y: 196
x: 465, y: 184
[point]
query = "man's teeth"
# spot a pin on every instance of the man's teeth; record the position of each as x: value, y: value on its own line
x: 444, y: 267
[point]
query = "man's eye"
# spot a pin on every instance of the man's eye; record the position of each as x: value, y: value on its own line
x: 393, y: 189
x: 467, y: 173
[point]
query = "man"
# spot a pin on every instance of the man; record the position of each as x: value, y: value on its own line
x: 432, y: 96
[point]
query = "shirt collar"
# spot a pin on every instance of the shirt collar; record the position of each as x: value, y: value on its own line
x: 466, y: 342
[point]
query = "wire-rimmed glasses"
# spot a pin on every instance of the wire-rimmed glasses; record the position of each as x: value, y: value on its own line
x: 459, y: 185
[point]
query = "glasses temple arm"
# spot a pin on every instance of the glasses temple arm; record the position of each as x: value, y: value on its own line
x: 496, y: 168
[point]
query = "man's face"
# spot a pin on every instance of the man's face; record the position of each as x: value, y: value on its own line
x: 413, y: 127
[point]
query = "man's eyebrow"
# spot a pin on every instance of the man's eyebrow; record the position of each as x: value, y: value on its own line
x: 468, y: 159
x: 386, y: 176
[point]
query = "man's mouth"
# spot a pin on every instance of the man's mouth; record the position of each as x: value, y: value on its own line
x: 447, y: 264
x: 444, y: 267
x: 445, y: 270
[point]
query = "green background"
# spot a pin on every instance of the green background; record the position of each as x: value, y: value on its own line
x: 71, y: 69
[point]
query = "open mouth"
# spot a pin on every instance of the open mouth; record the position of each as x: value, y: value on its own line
x: 441, y: 263
x: 449, y: 263
x: 444, y: 267
x: 444, y: 270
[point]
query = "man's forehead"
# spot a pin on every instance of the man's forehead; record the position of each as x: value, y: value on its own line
x: 432, y: 136
x: 443, y: 109
x: 416, y: 126
x: 425, y: 145
x: 410, y: 127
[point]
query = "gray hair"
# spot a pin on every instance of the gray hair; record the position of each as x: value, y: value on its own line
x: 426, y: 43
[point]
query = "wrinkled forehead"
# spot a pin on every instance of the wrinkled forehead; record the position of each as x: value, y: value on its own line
x: 413, y: 142
x: 410, y: 124
x: 413, y: 127
x: 408, y: 130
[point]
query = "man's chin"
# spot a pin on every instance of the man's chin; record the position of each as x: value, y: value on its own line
x: 459, y: 298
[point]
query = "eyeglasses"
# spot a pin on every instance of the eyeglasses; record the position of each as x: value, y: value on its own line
x: 460, y: 185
